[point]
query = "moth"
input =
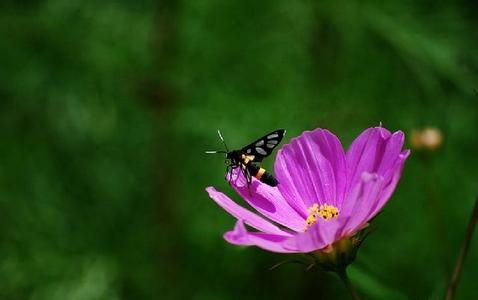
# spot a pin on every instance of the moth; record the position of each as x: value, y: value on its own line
x: 249, y: 158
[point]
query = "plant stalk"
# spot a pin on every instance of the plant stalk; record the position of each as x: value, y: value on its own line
x: 452, y: 285
x: 345, y: 278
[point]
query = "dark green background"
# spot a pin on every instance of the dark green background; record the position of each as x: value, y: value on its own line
x: 106, y: 108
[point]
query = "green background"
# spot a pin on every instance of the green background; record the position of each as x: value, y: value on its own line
x: 106, y: 108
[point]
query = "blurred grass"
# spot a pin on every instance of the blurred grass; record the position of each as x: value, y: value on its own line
x: 106, y: 109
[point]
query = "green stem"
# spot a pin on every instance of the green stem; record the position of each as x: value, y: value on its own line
x: 345, y: 278
x: 450, y: 294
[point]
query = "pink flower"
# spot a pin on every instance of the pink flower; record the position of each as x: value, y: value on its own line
x: 324, y: 195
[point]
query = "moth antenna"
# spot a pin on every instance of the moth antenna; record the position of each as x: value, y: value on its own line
x: 222, y: 139
x: 214, y: 151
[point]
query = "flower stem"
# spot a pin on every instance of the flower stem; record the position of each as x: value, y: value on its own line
x: 345, y: 278
x: 450, y: 294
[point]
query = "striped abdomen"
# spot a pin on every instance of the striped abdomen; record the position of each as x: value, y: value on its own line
x: 261, y: 174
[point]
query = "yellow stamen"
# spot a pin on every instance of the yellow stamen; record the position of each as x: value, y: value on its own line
x: 324, y: 211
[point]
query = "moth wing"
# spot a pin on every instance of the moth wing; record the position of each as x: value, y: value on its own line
x: 264, y: 146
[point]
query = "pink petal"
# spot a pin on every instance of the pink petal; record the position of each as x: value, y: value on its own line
x: 374, y: 151
x: 241, y: 213
x: 268, y: 201
x: 392, y: 177
x: 360, y: 203
x: 238, y: 236
x: 270, y: 242
x: 369, y: 196
x: 311, y: 169
x: 318, y: 236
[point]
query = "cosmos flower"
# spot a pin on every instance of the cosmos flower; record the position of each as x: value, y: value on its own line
x: 325, y: 196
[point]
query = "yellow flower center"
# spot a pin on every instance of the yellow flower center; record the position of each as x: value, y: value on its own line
x: 324, y: 211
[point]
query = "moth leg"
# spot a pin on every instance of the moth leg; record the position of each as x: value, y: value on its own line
x: 248, y: 176
x: 229, y: 173
x: 231, y: 167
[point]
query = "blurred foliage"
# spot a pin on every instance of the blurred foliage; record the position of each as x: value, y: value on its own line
x: 106, y: 109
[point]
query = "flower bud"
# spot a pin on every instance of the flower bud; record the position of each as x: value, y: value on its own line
x: 427, y: 139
